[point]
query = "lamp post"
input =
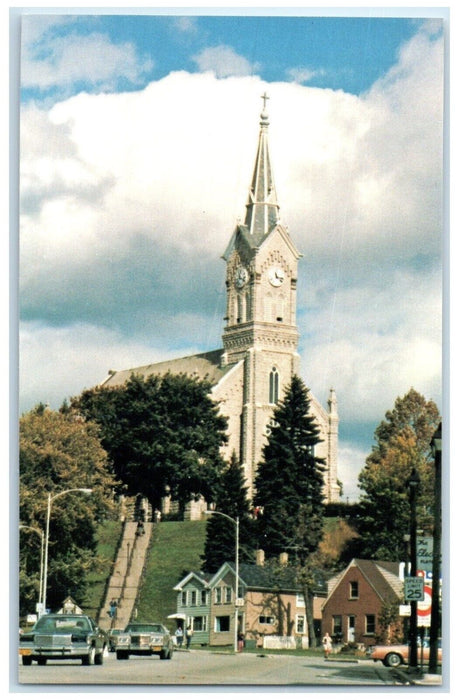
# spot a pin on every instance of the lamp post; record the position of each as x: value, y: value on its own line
x: 48, y: 517
x: 413, y: 485
x: 42, y: 536
x: 436, y: 553
x: 235, y: 522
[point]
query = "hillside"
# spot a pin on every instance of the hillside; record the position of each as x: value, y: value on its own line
x: 175, y: 549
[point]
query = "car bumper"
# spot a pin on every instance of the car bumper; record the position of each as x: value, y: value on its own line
x: 55, y: 652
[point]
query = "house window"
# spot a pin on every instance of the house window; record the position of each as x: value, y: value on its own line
x: 300, y: 600
x: 300, y: 624
x: 193, y: 597
x: 222, y: 623
x: 200, y: 624
x: 218, y: 595
x: 203, y: 597
x: 184, y: 598
x: 370, y: 624
x: 266, y: 620
x: 228, y: 594
x: 337, y: 625
x: 274, y: 386
x: 353, y: 589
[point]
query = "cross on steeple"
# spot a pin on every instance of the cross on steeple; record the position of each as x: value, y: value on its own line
x: 264, y: 97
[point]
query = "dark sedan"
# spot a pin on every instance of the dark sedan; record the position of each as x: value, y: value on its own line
x: 62, y: 637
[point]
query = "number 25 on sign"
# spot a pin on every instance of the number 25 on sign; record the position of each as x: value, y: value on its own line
x: 414, y: 588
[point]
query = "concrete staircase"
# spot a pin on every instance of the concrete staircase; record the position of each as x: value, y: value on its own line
x: 125, y: 580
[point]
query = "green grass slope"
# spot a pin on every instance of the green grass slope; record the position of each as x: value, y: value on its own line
x: 175, y: 549
x: 108, y: 539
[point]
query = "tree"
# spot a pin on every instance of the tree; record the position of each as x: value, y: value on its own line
x: 402, y: 443
x: 289, y: 482
x: 289, y: 489
x: 163, y: 435
x: 231, y: 498
x: 58, y: 452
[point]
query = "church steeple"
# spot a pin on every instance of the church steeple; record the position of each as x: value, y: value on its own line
x: 262, y: 208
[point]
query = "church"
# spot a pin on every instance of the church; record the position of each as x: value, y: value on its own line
x: 260, y: 338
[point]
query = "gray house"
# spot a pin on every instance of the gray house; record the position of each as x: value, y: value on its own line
x: 193, y: 602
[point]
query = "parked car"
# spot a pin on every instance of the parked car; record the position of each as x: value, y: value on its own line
x: 113, y: 638
x: 396, y: 654
x: 144, y: 639
x: 62, y: 637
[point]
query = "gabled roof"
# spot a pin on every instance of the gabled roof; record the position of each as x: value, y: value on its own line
x: 206, y: 365
x: 202, y: 578
x: 382, y: 576
x: 258, y: 577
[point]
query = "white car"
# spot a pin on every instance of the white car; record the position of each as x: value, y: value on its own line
x: 145, y: 639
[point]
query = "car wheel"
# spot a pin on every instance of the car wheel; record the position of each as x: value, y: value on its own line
x: 99, y: 658
x: 89, y: 659
x: 121, y: 655
x: 162, y: 654
x: 393, y: 660
x: 41, y: 661
x: 26, y: 661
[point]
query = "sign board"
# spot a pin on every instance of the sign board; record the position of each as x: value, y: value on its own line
x: 240, y: 602
x: 414, y: 589
x: 424, y: 553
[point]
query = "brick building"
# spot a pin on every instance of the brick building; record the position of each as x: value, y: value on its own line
x: 356, y: 598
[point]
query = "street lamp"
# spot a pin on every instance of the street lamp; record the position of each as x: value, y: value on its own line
x: 48, y: 516
x: 42, y: 536
x: 436, y: 553
x: 235, y: 522
x: 413, y: 485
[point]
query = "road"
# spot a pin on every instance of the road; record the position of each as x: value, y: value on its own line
x: 211, y: 669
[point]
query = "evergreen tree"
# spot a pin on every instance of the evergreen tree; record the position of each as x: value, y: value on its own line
x: 402, y: 442
x: 231, y: 499
x: 289, y: 482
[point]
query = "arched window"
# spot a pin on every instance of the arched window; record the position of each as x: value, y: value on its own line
x: 274, y: 386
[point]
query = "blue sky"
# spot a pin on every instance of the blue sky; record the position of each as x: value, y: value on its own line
x: 138, y: 135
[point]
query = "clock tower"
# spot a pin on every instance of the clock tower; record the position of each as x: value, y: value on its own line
x: 261, y: 331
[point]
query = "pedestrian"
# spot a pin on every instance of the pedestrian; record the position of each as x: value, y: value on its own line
x: 327, y: 645
x: 113, y: 606
x: 240, y: 641
x: 179, y: 636
x: 189, y: 634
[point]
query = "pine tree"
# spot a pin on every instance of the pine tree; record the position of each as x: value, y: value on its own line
x: 289, y: 482
x: 232, y: 500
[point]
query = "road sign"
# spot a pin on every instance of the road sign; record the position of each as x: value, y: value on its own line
x: 414, y: 589
x: 424, y: 553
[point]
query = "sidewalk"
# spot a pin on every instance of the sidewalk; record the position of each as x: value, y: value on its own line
x: 417, y: 677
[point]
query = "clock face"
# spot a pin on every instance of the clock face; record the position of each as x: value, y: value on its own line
x: 276, y: 276
x: 241, y: 276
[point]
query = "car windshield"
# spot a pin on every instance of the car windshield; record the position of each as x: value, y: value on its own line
x: 144, y: 628
x: 62, y: 624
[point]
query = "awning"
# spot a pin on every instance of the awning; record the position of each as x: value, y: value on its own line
x: 177, y: 616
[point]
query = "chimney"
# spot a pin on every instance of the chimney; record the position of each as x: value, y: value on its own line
x: 283, y: 558
x: 260, y: 557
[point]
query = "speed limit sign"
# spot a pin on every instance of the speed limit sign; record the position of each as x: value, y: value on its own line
x: 414, y: 589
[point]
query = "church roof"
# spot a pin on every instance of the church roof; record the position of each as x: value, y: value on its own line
x: 206, y: 365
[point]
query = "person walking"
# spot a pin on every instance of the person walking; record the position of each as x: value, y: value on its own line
x: 189, y: 634
x: 179, y: 636
x: 327, y: 645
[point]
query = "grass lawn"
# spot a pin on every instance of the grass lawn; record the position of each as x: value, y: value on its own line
x: 108, y: 535
x: 175, y: 550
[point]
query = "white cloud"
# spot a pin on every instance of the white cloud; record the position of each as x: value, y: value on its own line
x: 303, y: 75
x: 50, y: 62
x: 223, y: 61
